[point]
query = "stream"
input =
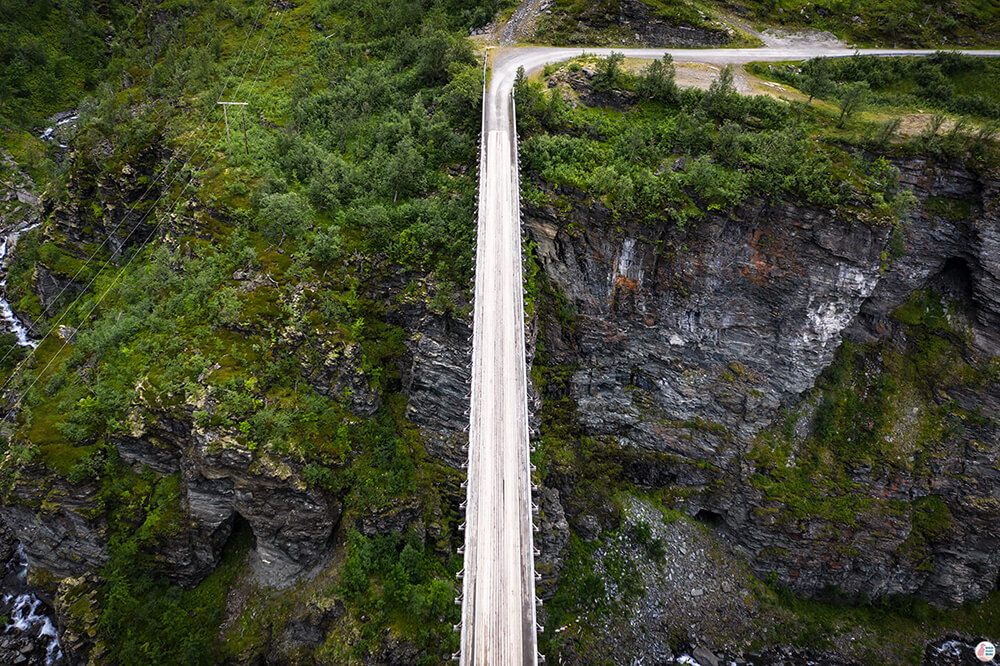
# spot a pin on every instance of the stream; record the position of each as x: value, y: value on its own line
x: 29, y: 636
x: 7, y: 316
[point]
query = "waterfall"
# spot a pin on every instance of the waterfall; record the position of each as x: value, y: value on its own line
x: 7, y: 316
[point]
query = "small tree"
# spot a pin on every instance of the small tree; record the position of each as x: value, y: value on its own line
x: 721, y: 94
x: 724, y: 84
x: 658, y: 83
x: 816, y: 80
x: 609, y: 73
x: 326, y: 247
x: 520, y: 80
x: 853, y: 96
x: 884, y: 132
x: 405, y: 172
x: 12, y: 353
x: 531, y: 104
x: 282, y: 216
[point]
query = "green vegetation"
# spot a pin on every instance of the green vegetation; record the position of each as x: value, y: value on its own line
x: 374, y: 177
x: 259, y: 297
x: 944, y: 81
x: 51, y: 54
x: 395, y: 581
x: 143, y: 619
x: 964, y: 23
x: 853, y: 97
x: 888, y: 630
x: 858, y: 404
x: 882, y: 410
x: 892, y: 419
x: 10, y: 352
x: 251, y: 299
x: 599, y: 581
x: 674, y: 155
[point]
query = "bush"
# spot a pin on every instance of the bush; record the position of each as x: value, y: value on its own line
x: 852, y: 97
x: 282, y: 216
x: 657, y: 83
x: 722, y: 101
x: 610, y: 74
x: 11, y: 353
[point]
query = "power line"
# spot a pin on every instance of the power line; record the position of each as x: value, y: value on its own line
x: 131, y: 259
x: 150, y: 207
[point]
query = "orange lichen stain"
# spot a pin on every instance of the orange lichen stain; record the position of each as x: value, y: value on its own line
x: 772, y: 256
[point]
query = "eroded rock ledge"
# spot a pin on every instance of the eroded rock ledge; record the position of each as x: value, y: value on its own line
x: 687, y: 347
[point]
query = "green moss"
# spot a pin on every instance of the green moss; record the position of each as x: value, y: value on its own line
x: 889, y: 630
x: 879, y: 22
x: 876, y: 405
x: 923, y: 308
x: 953, y: 210
x: 63, y: 456
x: 931, y: 520
x: 62, y: 263
x: 178, y: 626
x: 29, y: 152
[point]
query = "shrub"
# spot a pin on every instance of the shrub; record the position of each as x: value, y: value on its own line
x: 657, y: 82
x: 282, y: 216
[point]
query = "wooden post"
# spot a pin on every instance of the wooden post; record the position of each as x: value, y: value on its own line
x: 229, y: 144
x: 246, y: 145
x: 225, y: 114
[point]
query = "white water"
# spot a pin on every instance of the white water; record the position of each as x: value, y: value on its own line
x: 7, y: 316
x: 27, y: 613
x: 952, y: 648
x: 44, y: 136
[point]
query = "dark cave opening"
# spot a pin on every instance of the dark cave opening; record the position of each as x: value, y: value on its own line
x: 954, y: 282
x: 710, y: 518
x: 240, y: 539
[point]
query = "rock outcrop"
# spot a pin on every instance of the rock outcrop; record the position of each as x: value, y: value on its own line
x: 654, y: 30
x: 56, y: 522
x: 438, y: 386
x: 62, y: 526
x: 633, y: 23
x: 222, y: 482
x: 19, y: 205
x: 111, y: 209
x: 687, y: 346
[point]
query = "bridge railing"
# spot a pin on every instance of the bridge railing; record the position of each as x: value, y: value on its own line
x: 467, y: 556
x: 515, y: 151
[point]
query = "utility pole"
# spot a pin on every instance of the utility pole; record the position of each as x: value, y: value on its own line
x: 243, y: 115
x: 225, y: 115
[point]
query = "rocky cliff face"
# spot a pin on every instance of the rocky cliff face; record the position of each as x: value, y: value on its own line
x: 213, y: 482
x: 689, y: 349
x: 61, y: 523
x: 112, y: 208
x: 628, y: 22
x: 18, y: 194
x: 437, y: 384
x: 103, y: 211
x: 653, y: 30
